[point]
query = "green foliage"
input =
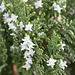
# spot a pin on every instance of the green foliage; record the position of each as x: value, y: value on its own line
x: 3, y: 50
x: 47, y: 45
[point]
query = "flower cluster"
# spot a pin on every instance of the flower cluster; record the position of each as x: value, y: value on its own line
x: 27, y: 45
x: 9, y: 20
x: 51, y: 62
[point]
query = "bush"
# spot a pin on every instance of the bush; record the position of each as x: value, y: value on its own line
x: 39, y: 37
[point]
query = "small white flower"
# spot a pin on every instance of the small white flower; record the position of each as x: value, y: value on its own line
x: 21, y: 25
x: 25, y: 0
x: 29, y: 27
x: 12, y: 34
x: 62, y: 46
x: 54, y: 5
x: 26, y: 54
x: 29, y: 60
x: 51, y: 62
x: 11, y: 26
x: 58, y: 8
x: 2, y: 7
x: 63, y: 64
x: 64, y: 6
x: 27, y: 66
x: 30, y: 45
x: 40, y: 33
x: 14, y: 18
x: 12, y: 47
x: 38, y: 4
x: 27, y: 38
x: 8, y: 20
x: 31, y: 52
x: 24, y: 46
x: 5, y: 15
x: 40, y: 27
x: 27, y: 44
x: 27, y: 63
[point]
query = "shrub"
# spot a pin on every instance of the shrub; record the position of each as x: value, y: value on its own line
x: 39, y: 36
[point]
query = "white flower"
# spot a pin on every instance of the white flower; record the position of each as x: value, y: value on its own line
x: 40, y: 27
x: 30, y: 45
x: 29, y: 27
x: 12, y: 47
x: 27, y: 66
x: 8, y: 20
x: 25, y: 0
x: 54, y: 5
x: 27, y: 38
x: 31, y: 52
x: 58, y: 8
x: 62, y: 1
x: 64, y: 6
x: 62, y: 46
x: 26, y: 54
x: 40, y: 33
x: 24, y: 46
x: 27, y: 44
x: 12, y: 34
x: 21, y: 25
x: 2, y: 7
x: 14, y: 18
x: 11, y: 26
x: 63, y: 64
x: 29, y: 60
x: 27, y: 63
x: 38, y: 4
x: 5, y: 15
x: 51, y: 62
